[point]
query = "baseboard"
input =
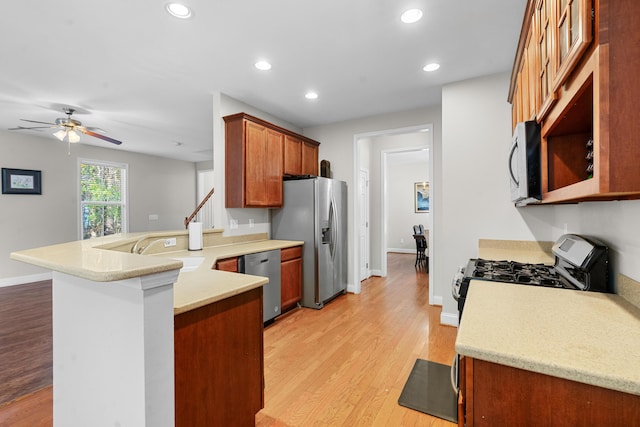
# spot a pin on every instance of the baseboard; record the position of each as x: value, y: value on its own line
x: 21, y: 280
x: 353, y: 289
x: 436, y: 300
x: 376, y: 273
x: 449, y: 319
x: 401, y: 250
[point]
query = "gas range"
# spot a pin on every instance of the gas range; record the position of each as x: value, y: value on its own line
x: 581, y: 263
x: 514, y: 272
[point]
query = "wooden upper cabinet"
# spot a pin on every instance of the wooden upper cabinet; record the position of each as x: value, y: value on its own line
x: 292, y: 156
x: 253, y: 163
x: 257, y: 155
x: 585, y: 73
x: 300, y: 156
x: 309, y: 158
x: 572, y: 34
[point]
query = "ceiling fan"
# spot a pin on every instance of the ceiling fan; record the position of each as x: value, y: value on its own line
x: 68, y: 128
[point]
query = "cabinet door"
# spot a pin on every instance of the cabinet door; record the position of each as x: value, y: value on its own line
x: 545, y: 52
x: 572, y: 35
x: 273, y: 168
x: 292, y: 156
x: 309, y: 159
x: 290, y: 277
x: 255, y: 164
x: 263, y: 166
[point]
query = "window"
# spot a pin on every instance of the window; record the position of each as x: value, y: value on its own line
x: 103, y: 209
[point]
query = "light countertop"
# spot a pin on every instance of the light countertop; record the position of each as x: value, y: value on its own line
x: 516, y: 250
x: 203, y: 285
x: 99, y: 260
x: 587, y: 337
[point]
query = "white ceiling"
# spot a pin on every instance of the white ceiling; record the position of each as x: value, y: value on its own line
x: 146, y: 78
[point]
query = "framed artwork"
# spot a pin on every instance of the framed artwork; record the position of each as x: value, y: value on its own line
x: 421, y: 194
x: 21, y: 181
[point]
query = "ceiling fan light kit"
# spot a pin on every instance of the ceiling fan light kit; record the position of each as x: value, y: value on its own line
x: 68, y: 129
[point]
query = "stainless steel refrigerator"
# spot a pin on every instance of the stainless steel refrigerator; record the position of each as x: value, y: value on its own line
x: 315, y: 211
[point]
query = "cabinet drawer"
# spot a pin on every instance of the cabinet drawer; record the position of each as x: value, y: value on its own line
x: 290, y: 253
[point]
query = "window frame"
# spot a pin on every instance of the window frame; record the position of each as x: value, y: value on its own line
x: 124, y: 203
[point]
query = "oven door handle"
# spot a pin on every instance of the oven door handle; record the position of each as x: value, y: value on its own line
x: 454, y: 374
x: 511, y: 153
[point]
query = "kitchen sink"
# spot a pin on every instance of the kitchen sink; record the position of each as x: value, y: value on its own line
x: 190, y: 263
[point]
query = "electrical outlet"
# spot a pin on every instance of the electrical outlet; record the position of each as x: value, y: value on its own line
x: 401, y: 240
x: 233, y: 224
x: 169, y: 242
x: 153, y: 217
x: 251, y: 223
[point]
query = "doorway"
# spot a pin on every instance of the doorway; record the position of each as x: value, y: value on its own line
x: 371, y: 151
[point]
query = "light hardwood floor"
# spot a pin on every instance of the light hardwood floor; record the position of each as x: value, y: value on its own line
x: 344, y: 365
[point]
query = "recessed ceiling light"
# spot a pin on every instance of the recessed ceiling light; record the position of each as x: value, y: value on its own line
x: 410, y: 16
x: 178, y: 10
x: 263, y: 65
x: 311, y: 95
x: 431, y: 67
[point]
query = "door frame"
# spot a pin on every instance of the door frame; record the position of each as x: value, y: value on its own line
x: 383, y: 230
x: 363, y: 214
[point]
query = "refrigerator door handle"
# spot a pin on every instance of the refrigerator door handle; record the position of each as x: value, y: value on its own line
x: 332, y: 226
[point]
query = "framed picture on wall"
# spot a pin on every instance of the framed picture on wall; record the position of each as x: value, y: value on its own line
x: 421, y: 194
x: 21, y: 181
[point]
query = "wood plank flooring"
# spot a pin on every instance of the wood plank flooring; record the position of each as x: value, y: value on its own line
x: 344, y: 365
x: 25, y: 339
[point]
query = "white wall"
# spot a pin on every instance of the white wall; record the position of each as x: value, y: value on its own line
x: 401, y: 205
x: 475, y: 203
x: 157, y: 185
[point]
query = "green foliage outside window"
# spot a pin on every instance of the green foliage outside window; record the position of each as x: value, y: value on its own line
x: 101, y: 196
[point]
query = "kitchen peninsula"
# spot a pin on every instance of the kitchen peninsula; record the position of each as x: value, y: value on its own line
x: 152, y: 338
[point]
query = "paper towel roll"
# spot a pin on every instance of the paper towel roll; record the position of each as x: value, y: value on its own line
x: 195, y: 236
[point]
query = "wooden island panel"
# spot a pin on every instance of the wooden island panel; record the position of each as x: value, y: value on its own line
x: 219, y: 367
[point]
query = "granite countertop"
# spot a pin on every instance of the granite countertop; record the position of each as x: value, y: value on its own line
x: 587, y: 337
x: 99, y: 260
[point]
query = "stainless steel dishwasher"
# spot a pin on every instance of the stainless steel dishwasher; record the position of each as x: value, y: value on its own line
x: 265, y: 264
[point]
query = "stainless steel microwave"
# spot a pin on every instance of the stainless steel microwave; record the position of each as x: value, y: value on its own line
x: 524, y: 164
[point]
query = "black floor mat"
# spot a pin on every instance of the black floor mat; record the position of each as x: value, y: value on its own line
x: 428, y: 390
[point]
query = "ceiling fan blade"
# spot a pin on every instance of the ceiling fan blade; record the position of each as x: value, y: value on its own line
x: 35, y: 121
x: 97, y: 135
x: 35, y: 127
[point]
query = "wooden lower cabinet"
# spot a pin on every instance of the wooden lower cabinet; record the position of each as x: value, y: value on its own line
x: 499, y: 395
x: 227, y: 264
x: 219, y: 362
x: 290, y: 277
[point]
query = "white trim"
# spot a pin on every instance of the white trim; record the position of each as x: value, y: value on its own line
x: 356, y: 169
x: 383, y: 189
x: 24, y: 280
x: 376, y: 273
x: 450, y: 319
x: 401, y: 250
